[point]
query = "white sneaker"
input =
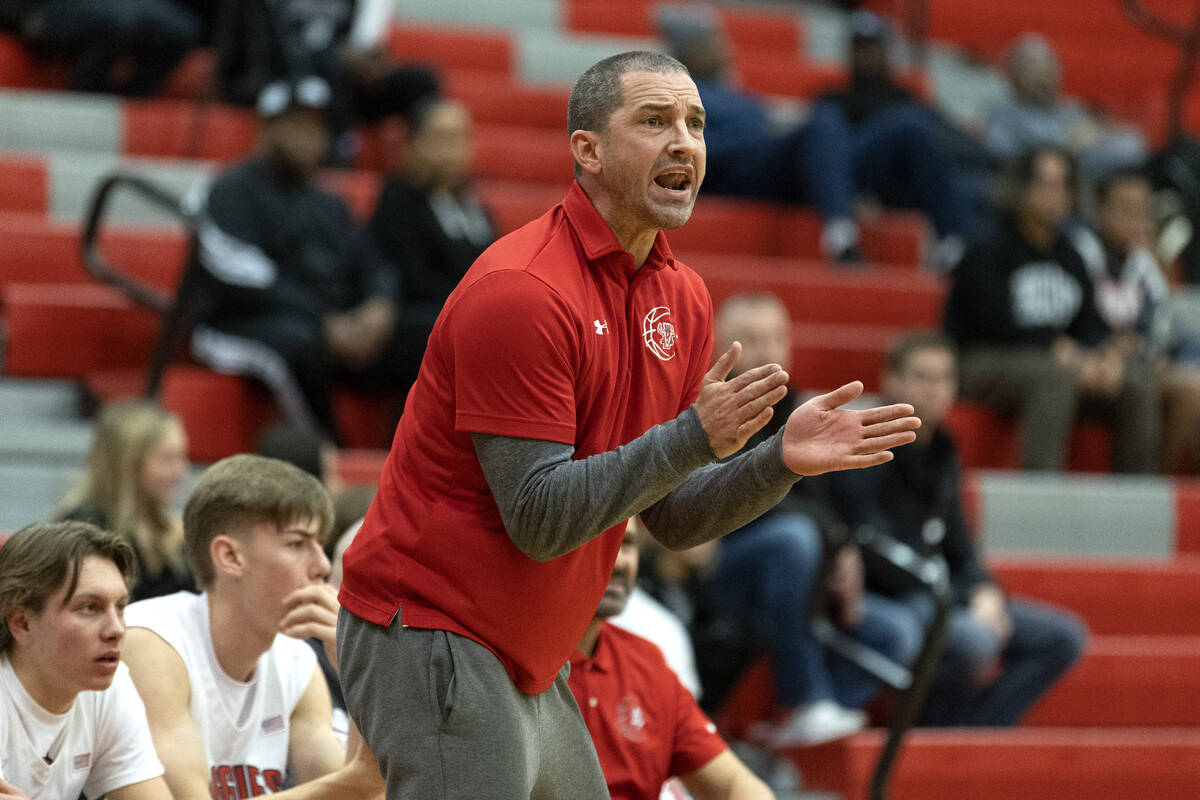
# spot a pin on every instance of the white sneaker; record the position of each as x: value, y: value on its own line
x: 819, y: 722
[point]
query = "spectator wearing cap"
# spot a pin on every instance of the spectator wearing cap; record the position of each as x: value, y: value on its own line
x: 900, y: 145
x: 343, y: 41
x: 291, y: 290
x: 837, y: 155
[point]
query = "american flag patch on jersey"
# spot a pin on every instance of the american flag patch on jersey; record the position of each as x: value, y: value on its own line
x: 83, y: 761
x: 272, y: 724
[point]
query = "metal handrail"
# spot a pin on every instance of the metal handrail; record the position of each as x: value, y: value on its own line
x: 100, y: 268
x: 913, y: 683
x: 162, y: 303
x: 1188, y: 40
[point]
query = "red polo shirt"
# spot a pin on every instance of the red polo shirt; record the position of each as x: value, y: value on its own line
x: 645, y: 724
x: 552, y: 334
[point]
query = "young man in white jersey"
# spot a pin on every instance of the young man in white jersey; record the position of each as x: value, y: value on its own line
x: 237, y: 704
x: 71, y: 721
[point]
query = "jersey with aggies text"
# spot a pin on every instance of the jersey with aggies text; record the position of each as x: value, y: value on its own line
x: 245, y: 725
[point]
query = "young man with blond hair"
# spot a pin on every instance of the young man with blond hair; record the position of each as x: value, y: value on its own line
x: 237, y: 704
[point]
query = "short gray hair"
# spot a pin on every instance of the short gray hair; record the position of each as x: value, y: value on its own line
x: 597, y: 93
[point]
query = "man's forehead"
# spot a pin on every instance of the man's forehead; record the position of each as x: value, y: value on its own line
x: 641, y: 87
x: 98, y: 576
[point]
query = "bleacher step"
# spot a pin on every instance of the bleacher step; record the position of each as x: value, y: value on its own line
x: 1029, y: 764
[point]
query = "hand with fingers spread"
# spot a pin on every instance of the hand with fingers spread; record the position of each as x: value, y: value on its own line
x: 733, y: 410
x: 821, y: 437
x: 311, y: 612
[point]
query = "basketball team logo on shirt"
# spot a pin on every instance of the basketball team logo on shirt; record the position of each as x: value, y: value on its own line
x: 631, y: 719
x: 658, y: 332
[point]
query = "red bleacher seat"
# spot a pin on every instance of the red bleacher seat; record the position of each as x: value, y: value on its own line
x: 35, y: 250
x: 826, y: 356
x: 1123, y: 597
x: 106, y: 331
x: 747, y: 28
x: 21, y: 69
x: 180, y: 129
x: 25, y: 184
x: 499, y: 100
x: 224, y: 414
x: 452, y: 47
x: 988, y: 439
x: 818, y: 292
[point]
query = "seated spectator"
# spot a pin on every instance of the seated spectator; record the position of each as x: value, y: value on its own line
x: 137, y: 461
x: 1021, y: 309
x: 1038, y: 114
x: 765, y: 572
x: 840, y: 152
x: 235, y: 698
x: 644, y: 723
x: 428, y: 222
x: 917, y: 499
x: 651, y: 620
x: 342, y: 41
x: 292, y: 292
x: 71, y: 721
x: 128, y: 47
x: 1132, y: 297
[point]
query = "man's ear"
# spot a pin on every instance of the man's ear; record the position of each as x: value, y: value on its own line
x: 586, y: 147
x: 18, y: 625
x: 226, y: 554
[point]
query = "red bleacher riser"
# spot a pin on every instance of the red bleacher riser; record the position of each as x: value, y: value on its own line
x: 746, y: 27
x: 21, y: 69
x: 1021, y: 764
x: 825, y: 356
x: 105, y: 331
x: 1127, y: 681
x: 35, y: 250
x: 988, y: 439
x: 25, y: 184
x: 224, y: 414
x: 1112, y: 596
x: 451, y: 47
x: 360, y: 467
x: 182, y: 129
x: 231, y: 412
x: 814, y: 291
x: 499, y: 100
x: 522, y: 154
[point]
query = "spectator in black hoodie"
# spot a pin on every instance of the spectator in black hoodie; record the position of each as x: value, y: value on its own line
x: 917, y: 499
x: 1021, y: 309
x: 291, y: 290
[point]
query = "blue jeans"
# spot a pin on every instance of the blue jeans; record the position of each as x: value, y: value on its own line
x: 1045, y: 642
x: 827, y: 163
x: 765, y: 573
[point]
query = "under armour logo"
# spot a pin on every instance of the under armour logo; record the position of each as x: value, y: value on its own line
x: 601, y: 326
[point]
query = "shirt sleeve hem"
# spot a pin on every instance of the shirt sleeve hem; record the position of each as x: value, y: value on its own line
x: 510, y: 426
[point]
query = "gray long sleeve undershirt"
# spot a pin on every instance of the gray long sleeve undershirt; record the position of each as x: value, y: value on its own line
x: 551, y: 503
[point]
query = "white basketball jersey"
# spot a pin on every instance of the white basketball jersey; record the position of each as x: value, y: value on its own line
x: 101, y: 744
x: 245, y: 725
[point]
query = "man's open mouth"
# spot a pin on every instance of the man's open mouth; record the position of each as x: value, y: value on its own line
x: 674, y: 179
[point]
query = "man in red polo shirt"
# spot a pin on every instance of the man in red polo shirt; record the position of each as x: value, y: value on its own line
x: 645, y: 724
x: 564, y: 389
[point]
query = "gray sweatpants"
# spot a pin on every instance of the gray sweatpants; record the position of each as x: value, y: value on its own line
x: 446, y: 722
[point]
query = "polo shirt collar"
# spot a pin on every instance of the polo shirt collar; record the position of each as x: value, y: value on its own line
x: 598, y: 240
x: 601, y: 659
